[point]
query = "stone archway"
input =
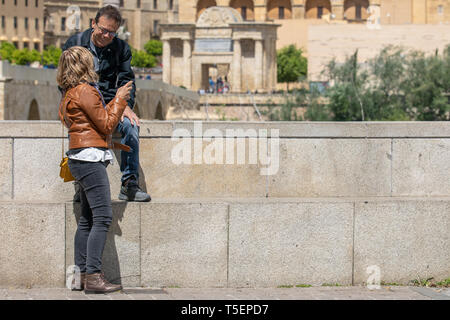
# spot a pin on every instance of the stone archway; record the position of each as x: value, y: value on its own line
x: 202, y: 5
x: 136, y: 110
x: 279, y: 9
x: 245, y: 7
x: 356, y: 10
x: 159, y: 112
x: 315, y: 9
x: 33, y: 113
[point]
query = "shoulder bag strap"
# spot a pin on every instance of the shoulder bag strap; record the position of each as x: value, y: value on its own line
x: 63, y: 105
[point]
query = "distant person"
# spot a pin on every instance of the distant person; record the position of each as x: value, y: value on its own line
x: 219, y: 84
x: 112, y: 61
x: 91, y: 123
x: 211, y: 85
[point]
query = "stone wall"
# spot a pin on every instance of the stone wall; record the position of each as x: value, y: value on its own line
x: 379, y: 159
x: 347, y: 196
x: 328, y: 41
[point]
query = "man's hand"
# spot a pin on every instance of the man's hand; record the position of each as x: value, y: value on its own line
x: 130, y: 115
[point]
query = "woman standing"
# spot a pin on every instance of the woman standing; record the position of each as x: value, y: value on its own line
x: 91, y: 124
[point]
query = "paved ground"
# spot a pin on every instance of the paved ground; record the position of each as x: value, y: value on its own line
x: 312, y: 293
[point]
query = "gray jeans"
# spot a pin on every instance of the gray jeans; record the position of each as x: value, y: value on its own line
x: 96, y: 213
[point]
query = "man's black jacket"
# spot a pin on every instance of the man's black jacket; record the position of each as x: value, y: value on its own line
x: 114, y: 63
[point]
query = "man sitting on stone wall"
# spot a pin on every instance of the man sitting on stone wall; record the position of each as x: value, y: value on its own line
x: 112, y: 59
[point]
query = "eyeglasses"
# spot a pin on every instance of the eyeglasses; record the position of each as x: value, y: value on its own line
x: 106, y: 32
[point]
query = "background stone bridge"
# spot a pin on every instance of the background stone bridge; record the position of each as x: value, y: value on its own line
x: 32, y: 94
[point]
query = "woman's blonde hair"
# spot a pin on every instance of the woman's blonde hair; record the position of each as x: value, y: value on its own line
x: 76, y: 65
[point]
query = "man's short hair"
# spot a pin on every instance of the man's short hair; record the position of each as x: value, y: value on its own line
x: 109, y: 12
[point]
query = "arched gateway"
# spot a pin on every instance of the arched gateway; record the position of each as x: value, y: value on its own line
x: 244, y: 52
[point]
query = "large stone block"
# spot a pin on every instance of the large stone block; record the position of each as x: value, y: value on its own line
x: 184, y: 244
x: 6, y: 176
x: 121, y: 256
x: 166, y: 179
x: 32, y: 245
x: 407, y: 240
x: 332, y: 168
x: 421, y: 167
x: 272, y: 244
x: 36, y: 171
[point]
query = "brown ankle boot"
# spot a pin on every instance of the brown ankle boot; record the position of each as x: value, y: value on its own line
x: 82, y: 281
x: 96, y: 283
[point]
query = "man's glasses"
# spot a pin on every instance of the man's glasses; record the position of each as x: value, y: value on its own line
x: 106, y: 32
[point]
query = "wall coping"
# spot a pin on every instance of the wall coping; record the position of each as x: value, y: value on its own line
x: 303, y: 130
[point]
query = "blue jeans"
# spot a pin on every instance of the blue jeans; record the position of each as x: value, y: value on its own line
x: 129, y: 164
x: 96, y: 214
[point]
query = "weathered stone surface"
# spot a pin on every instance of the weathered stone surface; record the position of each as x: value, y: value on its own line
x: 184, y: 244
x: 121, y: 256
x: 327, y: 41
x: 32, y: 245
x: 421, y: 167
x: 36, y: 171
x: 165, y: 179
x: 407, y: 240
x: 290, y: 243
x: 6, y: 169
x: 315, y: 160
x: 332, y: 168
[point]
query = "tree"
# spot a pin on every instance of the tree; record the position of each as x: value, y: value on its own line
x: 25, y: 56
x: 154, y: 47
x: 142, y: 59
x: 396, y: 85
x: 6, y: 51
x: 291, y: 65
x: 51, y: 55
x: 427, y: 86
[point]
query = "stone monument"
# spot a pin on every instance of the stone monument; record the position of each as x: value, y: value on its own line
x: 244, y: 52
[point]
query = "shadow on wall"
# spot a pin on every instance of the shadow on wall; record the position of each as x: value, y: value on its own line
x: 110, y: 260
x: 136, y: 110
x: 159, y: 113
x: 33, y: 113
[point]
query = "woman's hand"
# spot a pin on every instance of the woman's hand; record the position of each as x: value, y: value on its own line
x: 124, y: 91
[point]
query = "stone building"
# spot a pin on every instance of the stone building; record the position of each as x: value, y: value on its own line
x: 141, y: 18
x: 64, y: 18
x: 22, y: 23
x: 389, y: 11
x: 244, y: 53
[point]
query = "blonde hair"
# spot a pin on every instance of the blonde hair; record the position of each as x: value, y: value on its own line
x: 76, y: 65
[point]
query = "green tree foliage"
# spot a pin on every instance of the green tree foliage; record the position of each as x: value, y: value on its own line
x: 291, y: 65
x: 51, y: 55
x: 396, y: 85
x: 301, y: 105
x: 25, y: 56
x: 142, y: 59
x: 154, y: 47
x: 6, y: 51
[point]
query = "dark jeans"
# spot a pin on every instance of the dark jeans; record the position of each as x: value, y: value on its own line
x: 96, y: 214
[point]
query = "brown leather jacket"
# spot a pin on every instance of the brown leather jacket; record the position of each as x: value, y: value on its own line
x: 89, y: 123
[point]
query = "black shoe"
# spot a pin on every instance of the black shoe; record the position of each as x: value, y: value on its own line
x: 130, y: 191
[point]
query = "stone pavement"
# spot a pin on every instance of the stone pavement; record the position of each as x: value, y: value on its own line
x: 312, y: 293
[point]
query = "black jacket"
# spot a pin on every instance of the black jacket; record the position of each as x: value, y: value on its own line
x: 114, y: 63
